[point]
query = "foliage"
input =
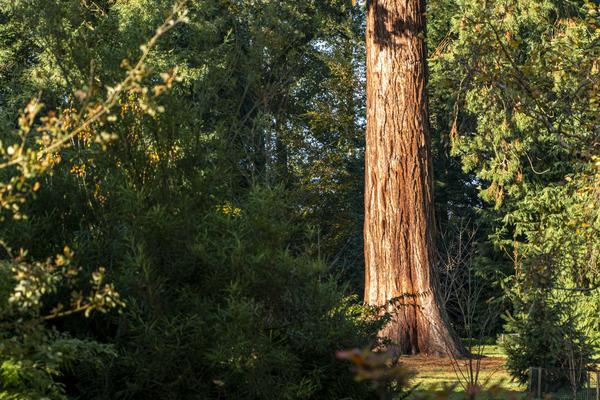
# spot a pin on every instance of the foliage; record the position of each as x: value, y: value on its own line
x: 384, y: 372
x: 225, y: 280
x: 547, y: 336
x: 526, y: 122
x: 32, y: 355
x: 464, y: 220
x: 251, y: 317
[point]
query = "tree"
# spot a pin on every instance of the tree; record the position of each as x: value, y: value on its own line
x: 526, y: 122
x: 399, y: 217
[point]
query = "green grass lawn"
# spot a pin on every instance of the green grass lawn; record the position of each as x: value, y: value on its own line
x: 435, y: 373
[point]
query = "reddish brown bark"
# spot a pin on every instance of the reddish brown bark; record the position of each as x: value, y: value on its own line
x: 399, y: 217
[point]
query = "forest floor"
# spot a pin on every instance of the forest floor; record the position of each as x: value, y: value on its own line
x: 434, y: 373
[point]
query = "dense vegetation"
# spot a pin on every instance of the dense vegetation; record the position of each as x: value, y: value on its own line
x: 190, y: 225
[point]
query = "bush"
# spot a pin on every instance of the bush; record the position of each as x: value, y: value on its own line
x: 227, y: 302
x: 547, y: 337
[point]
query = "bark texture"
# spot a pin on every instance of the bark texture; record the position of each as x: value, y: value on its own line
x: 399, y: 217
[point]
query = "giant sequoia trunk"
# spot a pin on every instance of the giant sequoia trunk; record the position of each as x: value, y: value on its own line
x: 399, y: 218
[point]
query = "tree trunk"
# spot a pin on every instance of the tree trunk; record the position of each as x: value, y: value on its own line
x: 399, y: 217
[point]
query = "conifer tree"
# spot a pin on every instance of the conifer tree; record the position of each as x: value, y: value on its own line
x: 399, y: 217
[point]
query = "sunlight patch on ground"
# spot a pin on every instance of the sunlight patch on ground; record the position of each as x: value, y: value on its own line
x: 433, y: 373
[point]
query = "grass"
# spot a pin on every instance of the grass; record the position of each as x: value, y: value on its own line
x: 434, y: 373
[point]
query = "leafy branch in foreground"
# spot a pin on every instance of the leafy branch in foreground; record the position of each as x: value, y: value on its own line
x: 32, y: 355
x: 37, y: 146
x: 37, y: 149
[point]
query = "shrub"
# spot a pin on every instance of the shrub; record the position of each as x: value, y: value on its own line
x: 227, y: 302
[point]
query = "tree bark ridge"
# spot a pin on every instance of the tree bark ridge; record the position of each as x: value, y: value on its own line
x: 399, y: 216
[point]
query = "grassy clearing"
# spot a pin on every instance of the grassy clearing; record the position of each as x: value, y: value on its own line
x: 433, y: 373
